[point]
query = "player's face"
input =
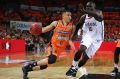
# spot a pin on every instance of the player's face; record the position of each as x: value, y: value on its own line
x: 90, y: 6
x: 67, y: 16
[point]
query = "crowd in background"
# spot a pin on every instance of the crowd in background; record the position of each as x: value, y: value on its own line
x: 112, y: 27
x: 112, y: 31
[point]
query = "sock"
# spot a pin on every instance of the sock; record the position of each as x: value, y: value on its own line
x: 116, y: 65
x: 75, y: 64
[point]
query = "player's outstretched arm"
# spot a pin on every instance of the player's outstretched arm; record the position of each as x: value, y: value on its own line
x: 79, y: 24
x: 49, y: 27
x: 95, y: 13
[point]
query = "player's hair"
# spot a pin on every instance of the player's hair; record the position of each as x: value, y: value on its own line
x: 65, y: 10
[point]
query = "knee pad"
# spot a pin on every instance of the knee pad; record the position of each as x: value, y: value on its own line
x: 52, y: 59
x: 43, y: 67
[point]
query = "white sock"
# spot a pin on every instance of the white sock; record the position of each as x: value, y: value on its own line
x: 116, y: 65
x: 75, y: 64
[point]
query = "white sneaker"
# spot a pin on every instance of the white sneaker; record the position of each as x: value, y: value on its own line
x: 82, y: 71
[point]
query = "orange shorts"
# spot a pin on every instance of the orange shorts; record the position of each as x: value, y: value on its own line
x: 118, y: 44
x: 54, y: 50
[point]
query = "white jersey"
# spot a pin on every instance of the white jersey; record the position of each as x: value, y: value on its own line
x: 93, y: 28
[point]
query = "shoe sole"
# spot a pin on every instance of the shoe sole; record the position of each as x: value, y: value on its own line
x: 113, y: 74
x: 83, y: 77
x: 71, y: 77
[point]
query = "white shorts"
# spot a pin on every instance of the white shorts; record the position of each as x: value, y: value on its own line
x: 91, y: 44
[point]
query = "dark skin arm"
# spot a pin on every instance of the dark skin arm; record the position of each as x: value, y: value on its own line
x: 79, y: 24
x: 97, y: 14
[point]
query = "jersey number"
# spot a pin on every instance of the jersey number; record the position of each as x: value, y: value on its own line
x: 90, y: 29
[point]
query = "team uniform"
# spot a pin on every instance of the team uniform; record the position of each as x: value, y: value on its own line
x: 117, y: 50
x: 60, y: 38
x: 93, y: 35
x: 115, y: 72
x: 59, y: 41
x: 118, y: 44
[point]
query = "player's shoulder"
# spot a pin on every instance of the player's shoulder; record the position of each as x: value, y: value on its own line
x: 83, y: 16
x: 54, y: 23
x: 57, y: 21
x: 100, y: 14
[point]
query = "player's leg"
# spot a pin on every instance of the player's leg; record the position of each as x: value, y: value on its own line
x: 82, y: 62
x: 85, y: 43
x: 73, y: 70
x: 78, y: 55
x: 116, y: 61
x: 90, y: 52
x: 116, y: 57
x: 31, y: 65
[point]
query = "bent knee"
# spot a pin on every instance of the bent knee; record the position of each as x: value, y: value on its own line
x: 52, y: 59
x: 82, y: 48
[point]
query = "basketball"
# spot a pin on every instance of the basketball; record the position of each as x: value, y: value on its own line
x: 35, y: 29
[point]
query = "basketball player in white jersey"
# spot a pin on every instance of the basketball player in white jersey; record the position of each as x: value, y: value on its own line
x: 93, y: 35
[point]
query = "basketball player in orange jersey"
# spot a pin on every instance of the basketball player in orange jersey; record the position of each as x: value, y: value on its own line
x: 116, y: 59
x: 63, y: 32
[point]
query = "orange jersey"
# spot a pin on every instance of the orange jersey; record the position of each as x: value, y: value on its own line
x: 61, y: 37
x: 62, y: 34
x: 118, y: 44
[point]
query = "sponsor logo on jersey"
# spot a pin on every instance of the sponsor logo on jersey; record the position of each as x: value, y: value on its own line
x: 62, y: 38
x: 63, y: 32
x: 90, y: 24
